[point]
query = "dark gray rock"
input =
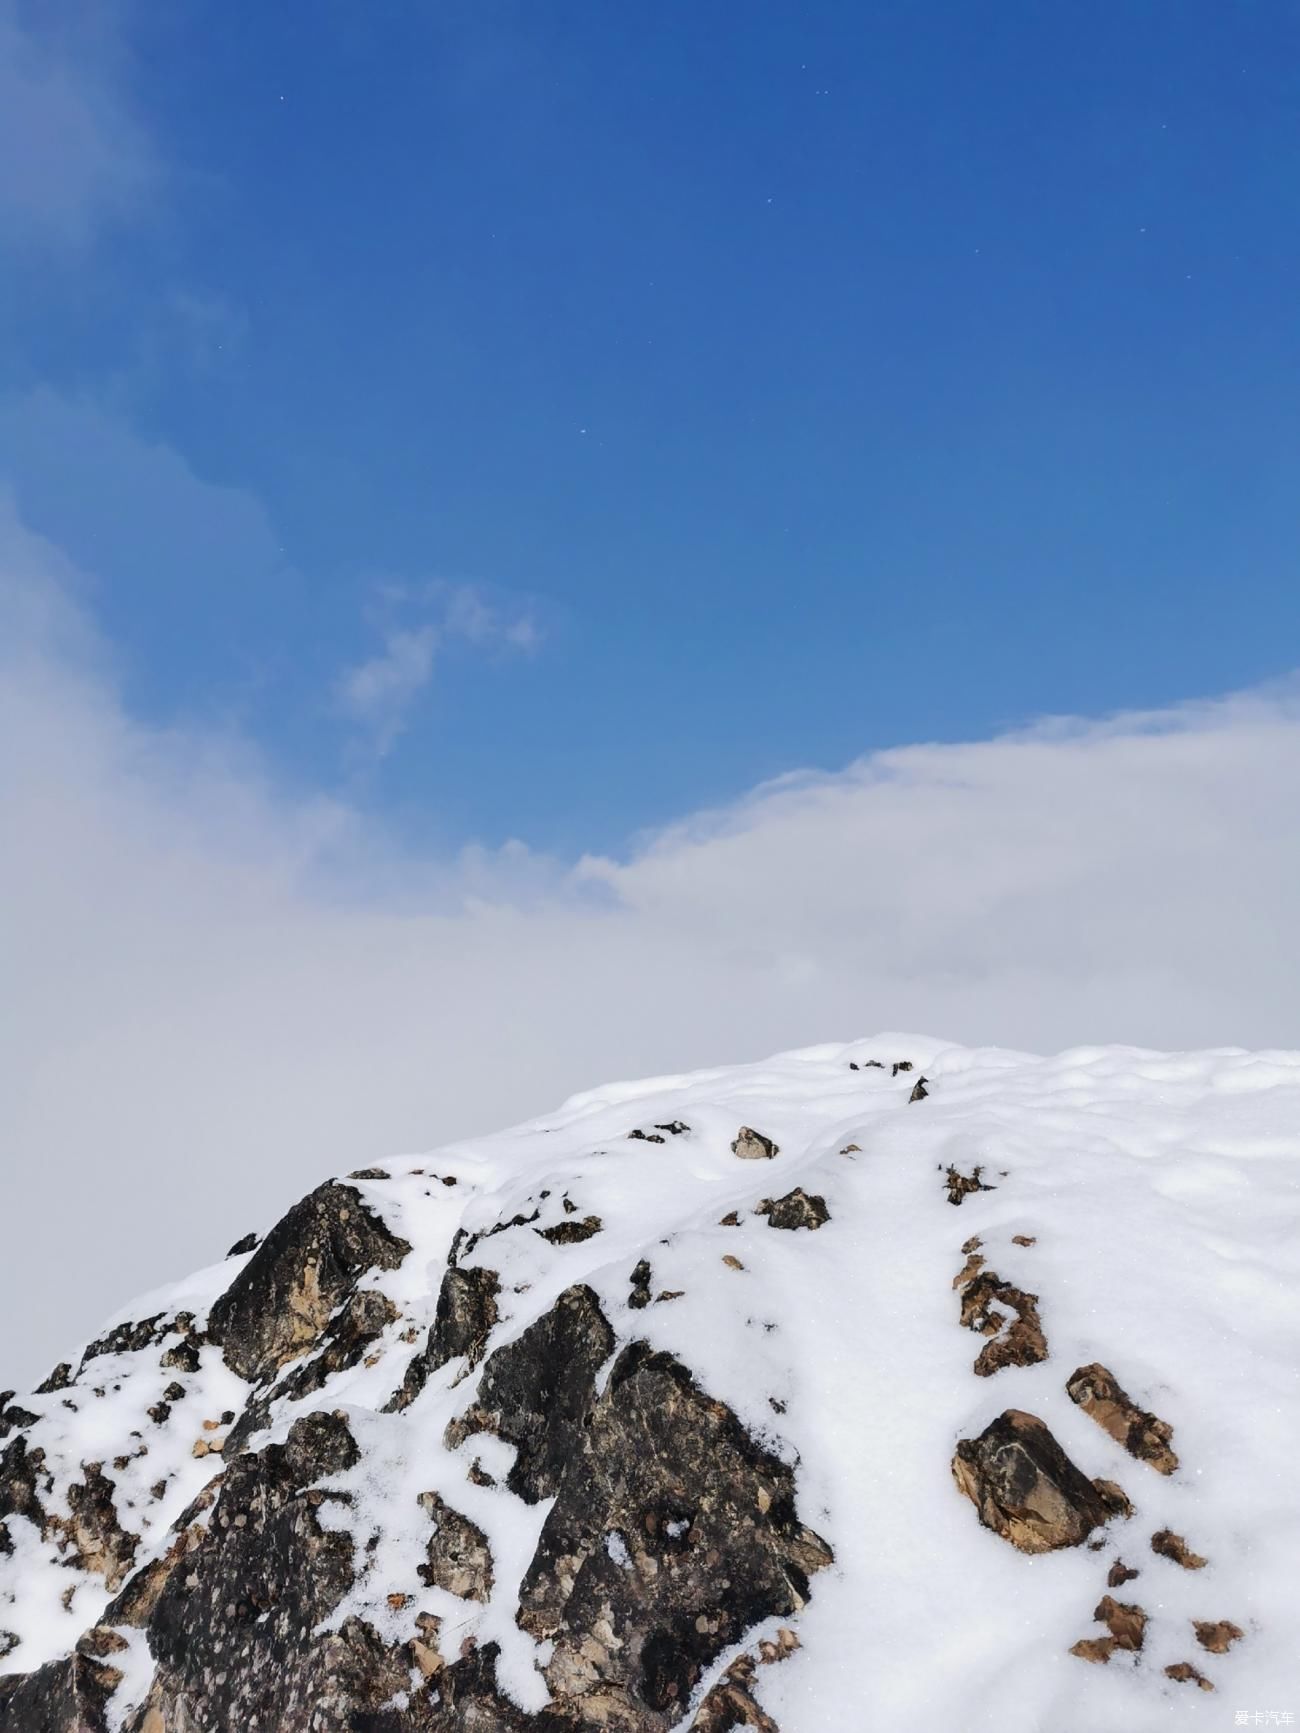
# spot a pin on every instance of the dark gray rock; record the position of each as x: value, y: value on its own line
x: 537, y: 1391
x: 466, y: 1314
x: 673, y: 1532
x: 797, y: 1209
x: 279, y: 1304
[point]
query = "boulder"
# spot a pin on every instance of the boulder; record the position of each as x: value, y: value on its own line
x: 1026, y: 1489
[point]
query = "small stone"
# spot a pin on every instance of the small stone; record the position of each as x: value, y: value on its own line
x: 901, y: 1065
x: 730, y: 1220
x: 1023, y: 1240
x: 1217, y: 1635
x: 1186, y: 1674
x: 751, y: 1145
x: 1097, y: 1391
x: 1172, y: 1546
x: 920, y: 1092
x: 961, y: 1185
x: 732, y: 1263
x: 1119, y: 1574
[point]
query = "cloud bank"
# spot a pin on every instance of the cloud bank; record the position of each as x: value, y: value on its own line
x: 218, y: 990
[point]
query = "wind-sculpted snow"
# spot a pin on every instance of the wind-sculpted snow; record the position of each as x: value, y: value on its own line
x: 665, y: 1411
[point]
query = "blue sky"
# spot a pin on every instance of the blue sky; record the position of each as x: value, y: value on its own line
x: 543, y: 420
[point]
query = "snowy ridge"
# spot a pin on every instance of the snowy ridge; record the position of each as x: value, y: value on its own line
x: 1148, y: 1204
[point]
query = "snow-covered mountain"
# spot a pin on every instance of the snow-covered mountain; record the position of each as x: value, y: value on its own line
x: 882, y: 1385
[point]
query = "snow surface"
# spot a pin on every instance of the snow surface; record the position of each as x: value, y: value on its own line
x: 1162, y: 1192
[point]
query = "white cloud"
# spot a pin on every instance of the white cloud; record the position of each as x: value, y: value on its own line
x: 216, y: 993
x: 380, y: 693
x: 73, y: 157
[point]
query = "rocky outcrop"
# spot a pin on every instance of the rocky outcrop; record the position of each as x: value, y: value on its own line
x: 280, y: 1303
x: 233, y: 1627
x: 537, y: 1392
x: 672, y: 1533
x: 466, y: 1314
x: 1099, y: 1394
x: 1025, y: 1487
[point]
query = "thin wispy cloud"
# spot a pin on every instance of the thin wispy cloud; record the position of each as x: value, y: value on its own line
x: 380, y: 693
x: 74, y: 158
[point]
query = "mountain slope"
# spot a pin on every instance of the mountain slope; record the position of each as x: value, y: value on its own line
x: 875, y: 1383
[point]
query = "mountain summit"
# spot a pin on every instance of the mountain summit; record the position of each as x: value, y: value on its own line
x: 876, y: 1385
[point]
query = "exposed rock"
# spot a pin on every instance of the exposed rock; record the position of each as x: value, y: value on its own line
x: 59, y: 1379
x: 640, y: 1295
x: 901, y: 1065
x: 67, y: 1696
x: 751, y: 1145
x: 1127, y: 1627
x: 708, y: 1544
x: 570, y: 1233
x: 465, y: 1317
x: 1172, y: 1546
x: 1217, y: 1635
x: 1119, y: 1574
x: 537, y: 1392
x: 1186, y: 1674
x: 1098, y: 1393
x: 731, y: 1704
x: 249, y: 1243
x: 1025, y: 1487
x: 919, y: 1092
x: 972, y: 1267
x: 372, y: 1173
x: 647, y: 1136
x: 459, y: 1558
x: 961, y: 1185
x: 1023, y: 1240
x: 93, y: 1535
x: 22, y: 1480
x: 278, y: 1305
x: 797, y: 1209
x: 127, y: 1338
x: 232, y: 1629
x: 1013, y: 1341
x: 358, y: 1324
x: 183, y: 1357
x: 14, y: 1417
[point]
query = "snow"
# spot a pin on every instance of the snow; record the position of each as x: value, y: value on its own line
x: 1162, y: 1193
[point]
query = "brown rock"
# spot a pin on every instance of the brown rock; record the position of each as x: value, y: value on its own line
x: 1025, y: 1487
x: 1097, y: 1391
x: 1172, y: 1546
x: 1017, y: 1341
x: 961, y: 1185
x: 1119, y: 1574
x: 1094, y: 1649
x: 1185, y: 1673
x: 1217, y: 1635
x: 919, y: 1092
x: 1023, y: 1240
x: 1126, y: 1623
